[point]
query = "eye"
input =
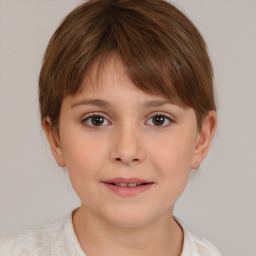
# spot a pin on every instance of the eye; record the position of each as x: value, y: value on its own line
x: 160, y: 120
x: 95, y: 120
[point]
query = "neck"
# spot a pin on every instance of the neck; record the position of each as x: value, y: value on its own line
x: 160, y: 237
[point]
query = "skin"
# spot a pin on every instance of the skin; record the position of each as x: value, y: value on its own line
x: 127, y: 144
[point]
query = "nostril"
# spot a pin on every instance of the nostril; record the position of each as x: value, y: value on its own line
x: 135, y: 160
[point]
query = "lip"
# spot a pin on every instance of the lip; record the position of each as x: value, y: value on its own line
x: 127, y: 180
x: 144, y: 185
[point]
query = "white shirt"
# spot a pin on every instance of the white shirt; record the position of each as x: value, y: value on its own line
x: 59, y: 239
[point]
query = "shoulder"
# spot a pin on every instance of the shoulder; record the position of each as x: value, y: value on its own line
x: 194, y: 245
x: 40, y: 241
x: 203, y: 247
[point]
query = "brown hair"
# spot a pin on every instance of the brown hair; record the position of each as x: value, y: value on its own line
x: 161, y: 49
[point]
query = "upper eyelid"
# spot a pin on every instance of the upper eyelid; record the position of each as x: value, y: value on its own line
x: 95, y: 114
x: 161, y: 113
x: 148, y: 116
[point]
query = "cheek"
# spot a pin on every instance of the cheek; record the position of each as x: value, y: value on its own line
x: 83, y: 160
x: 81, y: 151
x: 173, y: 155
x: 173, y: 161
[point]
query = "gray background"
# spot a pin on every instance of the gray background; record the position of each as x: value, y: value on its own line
x: 218, y: 203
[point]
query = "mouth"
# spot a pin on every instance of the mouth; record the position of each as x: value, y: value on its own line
x: 128, y: 187
x: 128, y: 184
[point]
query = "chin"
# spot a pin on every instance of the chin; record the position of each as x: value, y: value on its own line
x: 128, y: 219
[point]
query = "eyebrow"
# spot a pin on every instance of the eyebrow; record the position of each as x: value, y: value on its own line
x: 106, y: 104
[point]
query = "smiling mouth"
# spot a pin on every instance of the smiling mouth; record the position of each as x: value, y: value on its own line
x: 129, y: 184
x: 128, y: 187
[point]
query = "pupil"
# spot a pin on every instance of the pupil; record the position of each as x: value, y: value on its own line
x: 97, y: 120
x: 158, y: 120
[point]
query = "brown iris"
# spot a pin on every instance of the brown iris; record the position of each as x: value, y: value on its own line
x: 158, y: 120
x: 97, y: 120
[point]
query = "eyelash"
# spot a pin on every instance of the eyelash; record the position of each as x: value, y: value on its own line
x: 86, y: 118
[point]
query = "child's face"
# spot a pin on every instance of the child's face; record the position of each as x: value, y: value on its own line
x: 128, y: 142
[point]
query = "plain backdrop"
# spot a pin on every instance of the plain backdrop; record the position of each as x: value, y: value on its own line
x: 219, y: 202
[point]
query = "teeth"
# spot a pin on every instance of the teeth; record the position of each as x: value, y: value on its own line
x: 132, y: 185
x: 126, y: 184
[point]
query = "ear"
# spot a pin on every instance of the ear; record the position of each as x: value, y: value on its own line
x: 54, y: 142
x: 204, y: 139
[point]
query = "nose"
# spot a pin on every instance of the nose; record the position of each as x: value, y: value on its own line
x: 127, y: 146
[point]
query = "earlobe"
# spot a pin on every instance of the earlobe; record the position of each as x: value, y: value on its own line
x: 54, y: 142
x: 204, y: 139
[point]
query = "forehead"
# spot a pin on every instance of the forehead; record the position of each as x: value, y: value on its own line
x: 113, y: 90
x: 109, y: 78
x: 103, y: 75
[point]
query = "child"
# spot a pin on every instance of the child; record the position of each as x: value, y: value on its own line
x: 127, y: 105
